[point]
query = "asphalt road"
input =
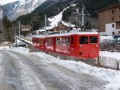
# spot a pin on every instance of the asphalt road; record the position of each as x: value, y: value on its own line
x: 29, y: 72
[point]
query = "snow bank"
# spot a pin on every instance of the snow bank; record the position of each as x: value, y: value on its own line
x: 112, y: 76
x: 4, y: 47
x: 110, y: 59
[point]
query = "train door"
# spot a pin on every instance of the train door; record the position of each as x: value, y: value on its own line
x: 93, y: 46
x: 83, y: 46
x: 72, y: 46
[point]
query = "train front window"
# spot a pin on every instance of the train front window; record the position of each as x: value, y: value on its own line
x: 93, y: 39
x: 83, y: 40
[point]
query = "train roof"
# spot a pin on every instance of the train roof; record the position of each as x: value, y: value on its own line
x: 73, y: 33
x: 38, y: 36
x: 66, y: 34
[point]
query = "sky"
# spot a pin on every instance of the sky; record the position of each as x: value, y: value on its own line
x: 6, y: 1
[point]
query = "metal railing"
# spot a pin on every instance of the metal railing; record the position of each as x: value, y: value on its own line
x: 110, y: 47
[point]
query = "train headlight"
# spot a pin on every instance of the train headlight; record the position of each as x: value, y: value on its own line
x: 96, y: 45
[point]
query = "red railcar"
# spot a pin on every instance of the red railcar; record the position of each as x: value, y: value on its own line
x: 39, y: 42
x: 79, y: 45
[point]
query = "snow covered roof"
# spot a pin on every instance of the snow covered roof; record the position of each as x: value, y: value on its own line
x: 67, y: 24
x: 47, y: 28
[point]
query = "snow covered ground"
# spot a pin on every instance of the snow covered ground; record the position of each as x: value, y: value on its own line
x: 1, y: 67
x: 112, y: 76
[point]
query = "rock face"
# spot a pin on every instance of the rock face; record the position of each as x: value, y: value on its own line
x: 17, y: 8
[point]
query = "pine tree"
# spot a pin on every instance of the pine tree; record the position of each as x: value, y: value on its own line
x: 8, y: 28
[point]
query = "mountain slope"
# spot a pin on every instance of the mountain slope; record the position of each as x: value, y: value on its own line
x: 52, y: 8
x: 15, y: 9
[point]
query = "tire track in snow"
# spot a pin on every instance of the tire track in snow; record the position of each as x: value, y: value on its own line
x: 28, y: 78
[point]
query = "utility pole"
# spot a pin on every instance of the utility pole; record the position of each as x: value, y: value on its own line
x: 45, y: 26
x: 19, y: 28
x: 83, y: 15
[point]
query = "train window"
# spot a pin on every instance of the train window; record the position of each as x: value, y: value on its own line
x: 49, y: 41
x: 40, y: 42
x: 93, y: 39
x: 83, y: 40
x: 58, y: 41
x: 72, y: 40
x: 67, y: 41
x: 64, y: 41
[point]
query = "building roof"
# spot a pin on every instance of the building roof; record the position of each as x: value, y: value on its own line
x: 26, y: 27
x: 67, y: 24
x: 110, y: 7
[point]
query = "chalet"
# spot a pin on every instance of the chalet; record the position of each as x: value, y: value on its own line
x: 62, y: 27
x: 26, y: 27
x: 109, y: 20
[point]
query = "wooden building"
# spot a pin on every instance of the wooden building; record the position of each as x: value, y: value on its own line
x: 26, y: 27
x: 109, y: 20
x: 62, y: 27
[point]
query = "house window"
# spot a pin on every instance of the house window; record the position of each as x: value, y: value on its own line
x: 118, y: 32
x: 112, y: 11
x: 113, y: 26
x: 112, y: 18
x: 113, y: 33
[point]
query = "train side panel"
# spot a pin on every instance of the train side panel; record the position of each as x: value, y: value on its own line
x: 63, y: 45
x: 50, y: 44
x: 41, y: 44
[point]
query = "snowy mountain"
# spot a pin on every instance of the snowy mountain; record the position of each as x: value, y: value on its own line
x: 3, y: 2
x: 17, y: 8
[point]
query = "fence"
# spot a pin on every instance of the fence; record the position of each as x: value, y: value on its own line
x: 110, y: 47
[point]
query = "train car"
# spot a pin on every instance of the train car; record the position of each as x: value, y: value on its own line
x: 39, y: 42
x: 83, y: 45
x: 80, y: 45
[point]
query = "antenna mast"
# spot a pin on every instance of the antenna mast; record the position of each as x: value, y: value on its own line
x: 83, y: 15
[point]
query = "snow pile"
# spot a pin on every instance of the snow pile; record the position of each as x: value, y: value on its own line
x: 110, y: 59
x: 115, y: 55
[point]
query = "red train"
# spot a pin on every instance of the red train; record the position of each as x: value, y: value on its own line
x: 84, y: 45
